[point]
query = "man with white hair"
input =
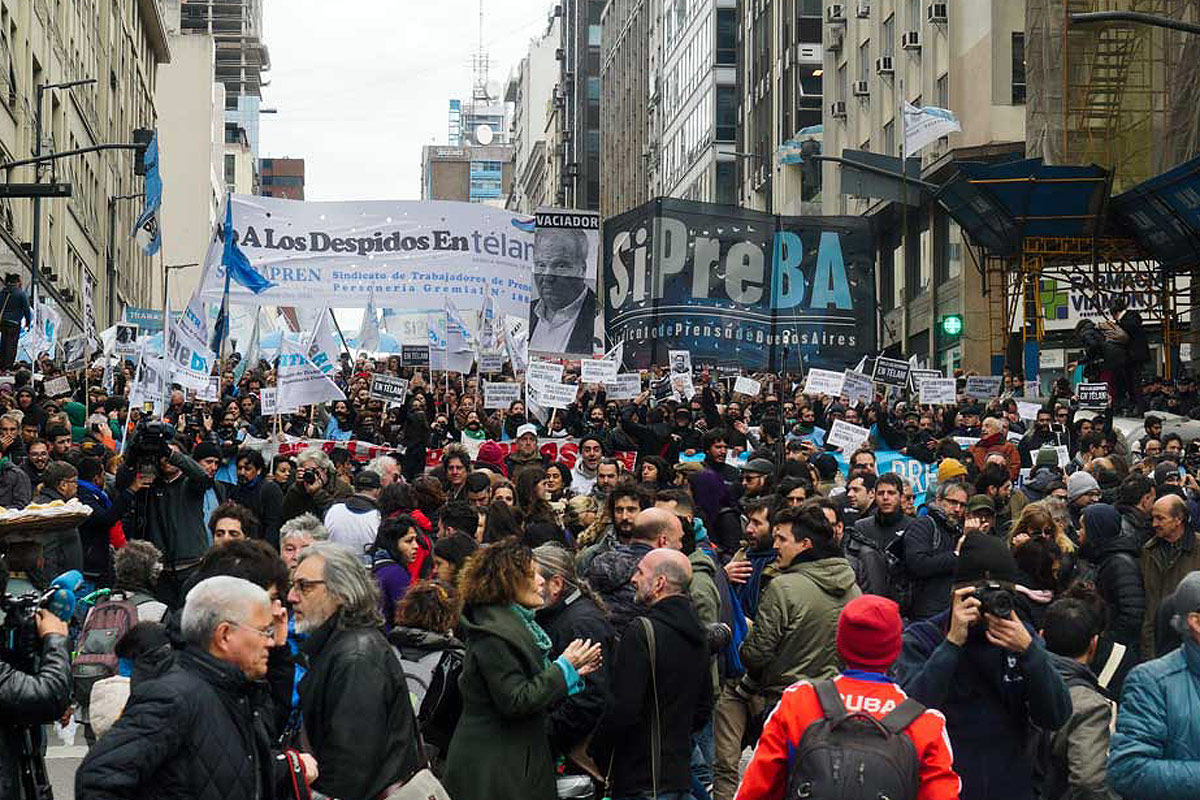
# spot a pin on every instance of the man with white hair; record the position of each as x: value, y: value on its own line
x: 199, y: 729
x: 563, y: 311
x: 387, y: 469
x: 354, y: 699
x: 297, y: 534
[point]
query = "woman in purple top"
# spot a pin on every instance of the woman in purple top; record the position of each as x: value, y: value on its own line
x: 395, y: 548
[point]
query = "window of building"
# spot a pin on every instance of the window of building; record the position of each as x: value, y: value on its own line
x: 943, y: 91
x: 864, y: 61
x: 230, y: 170
x: 726, y: 183
x: 925, y: 262
x: 843, y: 84
x: 888, y: 46
x: 727, y: 114
x: 898, y: 275
x: 727, y: 37
x: 593, y: 89
x: 889, y: 138
x: 1018, y: 68
x: 954, y: 250
x: 593, y: 35
x: 914, y: 15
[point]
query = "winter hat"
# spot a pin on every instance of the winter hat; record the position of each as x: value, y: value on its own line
x: 1165, y: 470
x: 1046, y: 457
x: 491, y: 453
x: 528, y: 427
x: 1079, y: 484
x: 984, y: 557
x: 869, y: 631
x: 206, y: 450
x: 759, y: 466
x: 1102, y: 523
x: 949, y: 469
x: 1187, y: 600
x: 981, y: 502
x: 367, y: 479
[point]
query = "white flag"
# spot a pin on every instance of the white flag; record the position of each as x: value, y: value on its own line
x: 516, y: 339
x: 924, y: 126
x: 251, y: 354
x: 368, y: 334
x: 299, y: 382
x: 460, y: 355
x: 321, y: 347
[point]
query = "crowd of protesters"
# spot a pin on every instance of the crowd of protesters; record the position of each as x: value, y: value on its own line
x: 523, y: 626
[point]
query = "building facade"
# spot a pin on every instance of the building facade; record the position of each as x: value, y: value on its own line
x: 573, y: 121
x: 85, y: 239
x: 283, y: 178
x: 629, y: 147
x: 470, y: 174
x: 530, y: 91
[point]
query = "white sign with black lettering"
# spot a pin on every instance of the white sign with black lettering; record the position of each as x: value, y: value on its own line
x: 984, y: 387
x: 747, y: 386
x: 1092, y: 396
x: 919, y: 375
x: 937, y: 391
x: 491, y: 363
x: 266, y: 399
x: 500, y: 395
x: 56, y: 387
x: 846, y: 436
x: 597, y: 370
x: 557, y: 395
x: 680, y: 361
x: 211, y: 393
x: 824, y: 381
x: 1027, y: 410
x: 857, y: 387
x: 388, y: 389
x: 627, y: 386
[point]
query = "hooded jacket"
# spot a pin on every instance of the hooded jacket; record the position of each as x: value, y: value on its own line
x: 1118, y: 574
x: 576, y: 616
x: 1079, y: 749
x: 677, y: 685
x: 929, y: 558
x: 609, y: 574
x: 794, y: 633
x: 442, y: 704
x: 15, y: 488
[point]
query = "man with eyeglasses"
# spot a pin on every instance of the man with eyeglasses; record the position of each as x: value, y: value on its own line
x: 931, y: 550
x: 199, y: 729
x: 562, y: 314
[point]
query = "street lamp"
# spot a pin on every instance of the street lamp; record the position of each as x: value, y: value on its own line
x: 111, y: 266
x: 167, y: 277
x: 35, y: 255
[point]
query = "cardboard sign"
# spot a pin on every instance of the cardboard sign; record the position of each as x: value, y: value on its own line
x: 557, y: 395
x: 211, y: 393
x: 627, y: 386
x: 984, y: 387
x: 414, y: 355
x: 388, y: 389
x: 846, y: 436
x: 266, y: 401
x: 857, y: 387
x: 824, y: 381
x: 747, y: 386
x: 597, y: 370
x: 891, y: 371
x: 937, y: 391
x: 1027, y: 410
x: 491, y: 363
x: 918, y: 375
x: 56, y: 387
x: 544, y: 372
x: 1093, y: 396
x: 500, y: 395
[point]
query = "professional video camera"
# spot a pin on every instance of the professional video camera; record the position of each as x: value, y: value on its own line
x: 150, y: 442
x: 18, y: 629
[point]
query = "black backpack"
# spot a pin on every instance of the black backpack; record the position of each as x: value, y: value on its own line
x: 853, y: 756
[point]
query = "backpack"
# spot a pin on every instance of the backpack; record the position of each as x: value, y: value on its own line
x: 96, y: 657
x: 853, y: 756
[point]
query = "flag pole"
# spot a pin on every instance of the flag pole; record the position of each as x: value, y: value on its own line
x: 338, y: 328
x: 903, y: 183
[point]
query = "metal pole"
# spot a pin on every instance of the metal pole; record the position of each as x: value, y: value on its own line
x: 36, y: 250
x: 1136, y: 17
x: 111, y: 265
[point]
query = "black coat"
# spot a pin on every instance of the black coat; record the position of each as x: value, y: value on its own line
x: 28, y: 701
x: 197, y: 732
x: 684, y: 699
x: 869, y: 564
x: 1139, y: 344
x: 93, y: 532
x: 265, y: 499
x: 357, y: 712
x: 929, y: 558
x: 578, y: 617
x: 1119, y: 583
x: 609, y: 574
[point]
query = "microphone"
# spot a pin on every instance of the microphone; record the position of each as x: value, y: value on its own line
x: 59, y: 600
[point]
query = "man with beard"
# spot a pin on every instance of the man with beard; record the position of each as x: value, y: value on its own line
x: 354, y: 699
x: 608, y: 569
x: 608, y: 475
x: 562, y: 317
x: 257, y: 493
x: 526, y: 454
x: 1040, y: 436
x: 930, y: 546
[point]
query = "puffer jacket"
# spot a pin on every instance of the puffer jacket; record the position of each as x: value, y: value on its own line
x: 15, y: 489
x: 1156, y: 747
x: 197, y: 732
x: 1135, y: 524
x: 882, y: 530
x: 1118, y: 574
x: 30, y: 701
x: 794, y: 632
x: 609, y: 575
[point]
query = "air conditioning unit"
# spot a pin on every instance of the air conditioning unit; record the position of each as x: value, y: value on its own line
x: 937, y: 12
x: 910, y: 40
x: 864, y: 10
x: 860, y: 89
x: 833, y: 41
x: 883, y: 65
x: 838, y: 109
x: 836, y: 13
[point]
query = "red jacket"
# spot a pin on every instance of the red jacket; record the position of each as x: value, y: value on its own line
x: 996, y: 443
x: 766, y: 776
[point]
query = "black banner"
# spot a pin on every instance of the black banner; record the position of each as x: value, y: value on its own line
x: 738, y: 287
x: 891, y: 372
x: 414, y: 355
x: 1092, y: 396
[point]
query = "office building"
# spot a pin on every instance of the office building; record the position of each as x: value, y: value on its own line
x: 469, y: 174
x: 283, y: 178
x: 530, y: 91
x: 629, y: 89
x: 84, y: 239
x: 573, y: 122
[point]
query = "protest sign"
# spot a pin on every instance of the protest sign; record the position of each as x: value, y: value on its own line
x: 915, y: 376
x: 823, y: 381
x: 127, y: 340
x: 937, y: 391
x: 846, y: 436
x: 984, y: 387
x: 566, y: 254
x: 627, y: 386
x: 681, y: 384
x: 388, y: 389
x: 211, y: 392
x: 680, y: 361
x: 747, y: 386
x: 300, y: 382
x: 891, y: 371
x: 661, y: 389
x: 500, y: 395
x: 74, y: 352
x: 1092, y: 396
x: 56, y: 387
x: 266, y: 401
x: 1032, y: 389
x: 1064, y: 455
x: 597, y: 370
x: 414, y: 355
x: 491, y: 363
x: 544, y: 372
x: 966, y: 442
x: 857, y: 387
x: 1027, y: 410
x: 557, y: 395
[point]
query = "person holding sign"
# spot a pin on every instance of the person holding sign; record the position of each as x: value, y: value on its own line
x: 994, y: 441
x: 562, y: 319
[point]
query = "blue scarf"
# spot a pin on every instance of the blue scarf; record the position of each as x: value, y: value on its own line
x: 101, y: 495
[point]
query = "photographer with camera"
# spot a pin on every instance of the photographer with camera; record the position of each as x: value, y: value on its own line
x: 32, y: 694
x: 982, y: 666
x: 316, y: 488
x: 168, y: 505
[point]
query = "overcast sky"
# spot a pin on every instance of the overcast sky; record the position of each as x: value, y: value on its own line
x: 361, y: 85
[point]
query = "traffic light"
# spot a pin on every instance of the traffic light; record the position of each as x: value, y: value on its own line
x: 142, y: 138
x: 952, y: 325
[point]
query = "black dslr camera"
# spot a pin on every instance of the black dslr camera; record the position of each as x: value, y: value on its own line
x: 994, y: 599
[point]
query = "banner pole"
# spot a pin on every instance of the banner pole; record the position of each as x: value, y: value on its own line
x: 338, y: 328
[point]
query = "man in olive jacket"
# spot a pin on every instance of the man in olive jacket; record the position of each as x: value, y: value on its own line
x: 1166, y: 559
x: 794, y: 632
x: 354, y: 699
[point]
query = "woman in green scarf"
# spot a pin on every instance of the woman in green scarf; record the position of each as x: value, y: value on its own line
x: 499, y: 750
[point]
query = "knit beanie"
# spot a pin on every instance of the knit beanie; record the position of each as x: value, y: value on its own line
x: 1164, y: 471
x: 869, y: 631
x: 949, y: 469
x: 491, y: 453
x: 204, y: 450
x: 1079, y: 484
x: 984, y: 557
